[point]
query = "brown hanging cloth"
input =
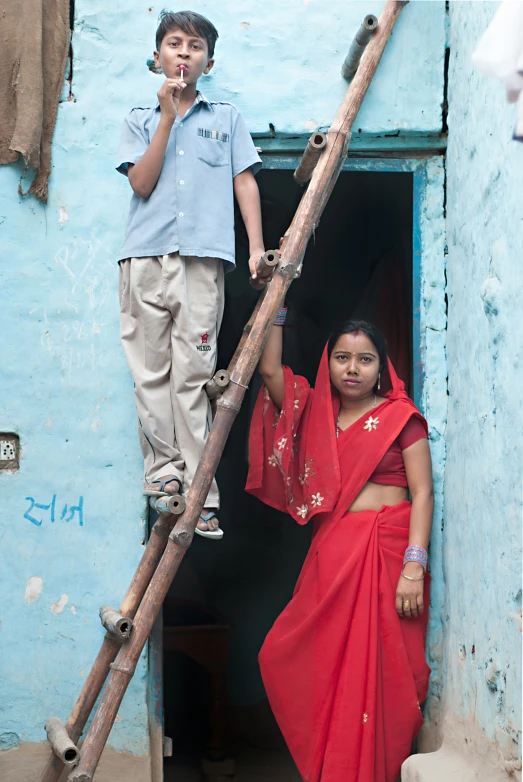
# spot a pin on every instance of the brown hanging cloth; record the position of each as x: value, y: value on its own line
x: 34, y: 43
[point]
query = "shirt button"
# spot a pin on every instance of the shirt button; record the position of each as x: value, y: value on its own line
x: 181, y: 152
x: 180, y: 214
x: 182, y: 182
x: 181, y: 124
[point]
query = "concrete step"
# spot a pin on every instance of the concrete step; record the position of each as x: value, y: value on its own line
x: 448, y: 765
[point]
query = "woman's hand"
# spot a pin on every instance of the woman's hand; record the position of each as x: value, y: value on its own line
x: 409, y: 594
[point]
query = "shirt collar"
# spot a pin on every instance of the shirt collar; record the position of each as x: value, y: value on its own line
x: 200, y: 98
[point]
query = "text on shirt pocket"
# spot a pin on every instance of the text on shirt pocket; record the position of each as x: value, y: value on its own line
x: 213, y: 147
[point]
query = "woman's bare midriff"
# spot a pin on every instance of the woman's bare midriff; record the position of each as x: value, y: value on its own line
x: 374, y: 496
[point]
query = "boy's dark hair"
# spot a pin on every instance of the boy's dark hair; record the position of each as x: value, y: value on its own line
x: 190, y: 23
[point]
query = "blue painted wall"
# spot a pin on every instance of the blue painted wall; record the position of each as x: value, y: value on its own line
x: 483, y: 482
x: 65, y: 386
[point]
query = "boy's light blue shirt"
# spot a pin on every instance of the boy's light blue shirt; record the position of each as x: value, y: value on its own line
x: 191, y: 209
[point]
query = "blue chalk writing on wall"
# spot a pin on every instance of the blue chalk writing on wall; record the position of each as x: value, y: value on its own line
x: 67, y: 514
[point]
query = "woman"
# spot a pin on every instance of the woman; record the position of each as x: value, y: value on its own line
x: 344, y: 665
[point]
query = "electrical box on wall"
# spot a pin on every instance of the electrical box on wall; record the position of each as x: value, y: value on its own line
x: 9, y: 452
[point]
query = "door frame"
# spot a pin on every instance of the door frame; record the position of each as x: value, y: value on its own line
x: 429, y: 310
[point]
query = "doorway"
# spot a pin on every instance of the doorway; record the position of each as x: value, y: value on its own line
x: 359, y: 263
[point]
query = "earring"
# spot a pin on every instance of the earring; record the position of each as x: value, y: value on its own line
x: 379, y: 381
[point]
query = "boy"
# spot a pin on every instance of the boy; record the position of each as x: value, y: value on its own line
x: 184, y: 159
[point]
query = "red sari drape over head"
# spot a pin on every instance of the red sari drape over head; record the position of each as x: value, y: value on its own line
x: 343, y: 673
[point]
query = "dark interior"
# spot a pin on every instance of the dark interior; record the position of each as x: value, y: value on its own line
x: 358, y: 264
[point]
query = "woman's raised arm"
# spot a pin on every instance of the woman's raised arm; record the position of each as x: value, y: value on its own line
x: 270, y: 367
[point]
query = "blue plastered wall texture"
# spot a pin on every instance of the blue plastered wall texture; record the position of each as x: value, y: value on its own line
x: 72, y: 521
x: 483, y: 481
x: 434, y: 399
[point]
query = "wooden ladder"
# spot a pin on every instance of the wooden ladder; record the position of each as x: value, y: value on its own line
x: 172, y: 534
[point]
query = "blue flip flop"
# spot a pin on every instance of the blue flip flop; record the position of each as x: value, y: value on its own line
x: 163, y: 483
x: 214, y: 534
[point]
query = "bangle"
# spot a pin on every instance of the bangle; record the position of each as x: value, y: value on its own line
x: 279, y: 320
x: 416, y: 554
x: 411, y: 578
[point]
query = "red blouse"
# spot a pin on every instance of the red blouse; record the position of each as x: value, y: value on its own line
x: 391, y: 470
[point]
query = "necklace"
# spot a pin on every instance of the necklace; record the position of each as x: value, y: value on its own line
x: 338, y: 430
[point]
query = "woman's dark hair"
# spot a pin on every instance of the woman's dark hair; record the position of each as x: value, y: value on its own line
x: 190, y: 23
x: 370, y: 331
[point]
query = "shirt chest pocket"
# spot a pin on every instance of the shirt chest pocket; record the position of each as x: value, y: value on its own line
x: 213, y: 147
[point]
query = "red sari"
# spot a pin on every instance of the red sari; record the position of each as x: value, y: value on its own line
x: 343, y: 673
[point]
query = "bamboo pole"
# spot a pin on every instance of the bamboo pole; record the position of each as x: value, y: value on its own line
x: 265, y: 269
x: 110, y: 647
x: 169, y: 503
x: 246, y: 331
x: 228, y: 405
x: 217, y: 383
x: 64, y: 749
x: 310, y: 157
x: 361, y: 39
x: 117, y: 625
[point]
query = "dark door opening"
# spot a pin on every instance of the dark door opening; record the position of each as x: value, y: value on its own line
x: 358, y: 264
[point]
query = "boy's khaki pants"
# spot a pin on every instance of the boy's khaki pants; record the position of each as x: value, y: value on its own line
x: 171, y: 310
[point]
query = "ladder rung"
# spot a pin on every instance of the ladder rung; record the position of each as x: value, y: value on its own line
x: 59, y: 740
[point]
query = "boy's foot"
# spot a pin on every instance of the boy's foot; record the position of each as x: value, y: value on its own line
x: 167, y: 484
x: 208, y: 525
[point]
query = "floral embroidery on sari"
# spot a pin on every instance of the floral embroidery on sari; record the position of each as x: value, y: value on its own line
x: 300, y: 440
x: 316, y: 500
x: 371, y: 423
x: 307, y: 473
x: 302, y: 492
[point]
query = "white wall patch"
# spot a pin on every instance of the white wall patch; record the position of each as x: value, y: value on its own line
x: 59, y: 606
x: 33, y: 589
